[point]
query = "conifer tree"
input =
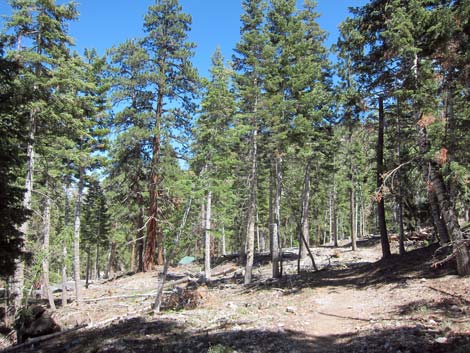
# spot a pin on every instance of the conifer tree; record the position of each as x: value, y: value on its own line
x: 248, y: 63
x: 39, y: 41
x: 132, y: 124
x: 214, y: 138
x: 12, y: 213
x: 173, y: 79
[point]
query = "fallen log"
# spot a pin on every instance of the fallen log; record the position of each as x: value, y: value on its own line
x: 225, y: 272
x: 32, y: 341
x: 147, y: 295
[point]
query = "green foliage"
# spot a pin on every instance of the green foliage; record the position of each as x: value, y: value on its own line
x: 12, y: 213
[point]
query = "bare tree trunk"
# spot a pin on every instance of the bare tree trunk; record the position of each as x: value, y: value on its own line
x: 76, y: 236
x: 96, y: 268
x: 276, y: 182
x: 64, y: 276
x: 140, y: 242
x: 380, y: 169
x: 154, y: 235
x: 357, y: 221
x: 438, y: 221
x: 132, y: 257
x: 207, y: 237
x: 352, y: 223
x: 251, y: 211
x: 460, y: 244
x: 16, y: 284
x: 46, y: 231
x: 224, y: 248
x: 88, y: 267
x: 64, y: 247
x: 304, y: 220
x: 111, y: 266
x: 401, y: 245
x: 446, y: 206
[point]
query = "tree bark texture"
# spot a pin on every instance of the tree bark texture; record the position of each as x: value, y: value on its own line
x: 251, y: 210
x: 380, y: 169
x: 17, y: 280
x: 304, y: 221
x: 276, y: 182
x: 437, y: 186
x: 46, y: 231
x: 207, y: 237
x: 76, y: 236
x: 154, y: 236
x: 438, y: 221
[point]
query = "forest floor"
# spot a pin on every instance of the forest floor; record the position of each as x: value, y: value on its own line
x: 355, y: 303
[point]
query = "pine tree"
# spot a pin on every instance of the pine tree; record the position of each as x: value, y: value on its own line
x: 214, y: 137
x: 248, y: 63
x: 95, y: 224
x: 173, y: 79
x: 12, y: 214
x: 39, y: 42
x: 130, y: 159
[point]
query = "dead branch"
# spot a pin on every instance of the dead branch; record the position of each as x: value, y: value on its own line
x: 88, y: 300
x: 225, y: 272
x: 391, y: 174
x: 43, y: 338
x: 453, y: 255
x: 461, y: 297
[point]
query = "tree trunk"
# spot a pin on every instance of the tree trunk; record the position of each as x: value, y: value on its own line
x: 380, y: 169
x: 76, y: 236
x: 439, y: 223
x: 140, y: 242
x: 460, y: 245
x: 352, y: 218
x: 251, y: 211
x: 46, y: 231
x: 275, y: 207
x: 88, y: 267
x: 304, y: 220
x: 64, y: 248
x: 401, y: 245
x: 207, y: 237
x: 111, y: 267
x: 132, y: 257
x: 96, y: 270
x: 16, y: 284
x: 154, y: 235
x: 224, y: 248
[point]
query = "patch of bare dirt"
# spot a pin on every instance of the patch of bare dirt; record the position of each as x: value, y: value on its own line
x: 355, y: 303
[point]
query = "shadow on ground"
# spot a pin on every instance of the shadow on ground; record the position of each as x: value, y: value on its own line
x: 396, y: 269
x: 145, y: 336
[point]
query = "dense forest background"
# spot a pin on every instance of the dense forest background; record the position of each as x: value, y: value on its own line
x: 115, y: 163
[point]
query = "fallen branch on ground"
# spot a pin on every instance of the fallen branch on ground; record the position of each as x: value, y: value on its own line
x: 225, y: 272
x: 462, y: 298
x: 43, y: 338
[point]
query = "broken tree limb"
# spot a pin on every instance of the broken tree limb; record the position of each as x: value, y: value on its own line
x: 225, y: 272
x: 88, y: 300
x: 43, y: 338
x: 457, y: 247
x: 144, y: 295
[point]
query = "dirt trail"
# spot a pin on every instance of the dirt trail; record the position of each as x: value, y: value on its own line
x: 354, y: 304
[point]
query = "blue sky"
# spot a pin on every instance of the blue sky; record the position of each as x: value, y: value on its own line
x: 104, y: 23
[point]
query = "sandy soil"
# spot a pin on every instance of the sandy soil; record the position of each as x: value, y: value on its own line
x: 355, y: 303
